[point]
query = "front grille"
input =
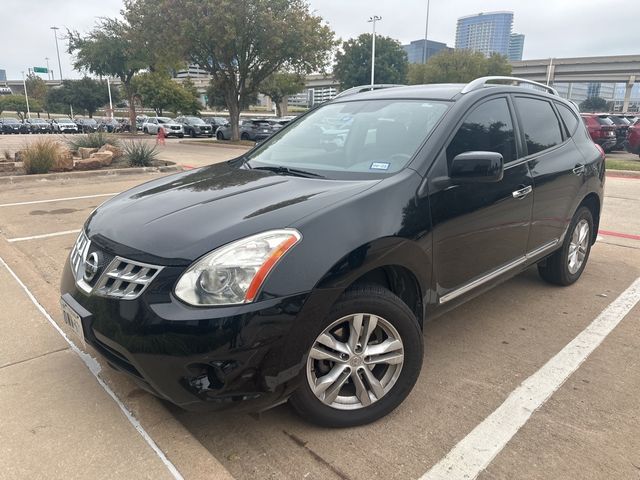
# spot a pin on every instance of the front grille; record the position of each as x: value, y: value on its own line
x: 121, y: 278
x: 125, y: 279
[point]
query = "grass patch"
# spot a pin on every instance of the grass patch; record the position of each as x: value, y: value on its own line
x: 93, y: 140
x: 633, y: 165
x: 139, y: 154
x: 40, y: 156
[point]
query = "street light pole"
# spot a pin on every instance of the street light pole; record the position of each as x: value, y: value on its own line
x: 26, y: 96
x: 55, y: 34
x: 373, y: 20
x: 110, y: 102
x: 426, y: 34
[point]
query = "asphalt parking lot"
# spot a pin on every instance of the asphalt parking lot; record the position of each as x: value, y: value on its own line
x: 475, y: 357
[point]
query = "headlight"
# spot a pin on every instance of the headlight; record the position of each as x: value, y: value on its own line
x: 234, y: 273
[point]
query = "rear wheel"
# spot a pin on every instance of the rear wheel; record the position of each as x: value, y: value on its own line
x: 566, y: 265
x: 219, y: 136
x: 244, y: 136
x: 364, y: 361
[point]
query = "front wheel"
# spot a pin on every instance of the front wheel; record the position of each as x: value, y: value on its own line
x: 220, y: 136
x: 364, y: 361
x: 566, y: 265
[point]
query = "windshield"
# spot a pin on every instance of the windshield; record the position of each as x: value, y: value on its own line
x: 195, y: 120
x: 10, y: 120
x: 164, y: 120
x: 373, y: 137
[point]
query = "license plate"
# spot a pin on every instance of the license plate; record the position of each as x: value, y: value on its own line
x: 73, y: 320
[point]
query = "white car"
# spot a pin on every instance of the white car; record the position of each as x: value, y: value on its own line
x: 152, y: 124
x: 64, y: 125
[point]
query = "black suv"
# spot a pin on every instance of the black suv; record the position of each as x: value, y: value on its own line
x: 195, y: 127
x: 306, y: 268
x: 38, y: 125
x: 10, y: 125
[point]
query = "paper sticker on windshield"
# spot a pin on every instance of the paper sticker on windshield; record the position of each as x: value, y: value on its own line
x: 379, y: 166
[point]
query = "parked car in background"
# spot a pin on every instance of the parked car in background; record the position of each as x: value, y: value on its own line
x: 195, y: 127
x: 9, y: 125
x: 171, y: 128
x: 109, y: 125
x: 87, y: 125
x: 64, y: 125
x: 622, y: 128
x: 38, y: 125
x: 601, y: 129
x: 633, y: 139
x: 632, y: 118
x: 278, y: 123
x: 216, y: 122
x: 256, y: 130
x: 297, y: 272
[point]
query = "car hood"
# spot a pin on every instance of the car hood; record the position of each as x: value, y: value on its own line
x: 176, y: 219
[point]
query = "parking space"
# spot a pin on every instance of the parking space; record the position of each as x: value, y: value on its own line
x: 474, y: 358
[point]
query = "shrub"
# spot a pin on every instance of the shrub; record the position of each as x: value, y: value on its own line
x: 40, y: 156
x: 140, y: 154
x: 92, y: 140
x: 7, y: 155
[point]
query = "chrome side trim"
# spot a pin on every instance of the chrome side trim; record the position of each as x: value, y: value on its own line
x: 496, y: 273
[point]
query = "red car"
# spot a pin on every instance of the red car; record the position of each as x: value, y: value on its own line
x: 633, y: 139
x: 601, y: 129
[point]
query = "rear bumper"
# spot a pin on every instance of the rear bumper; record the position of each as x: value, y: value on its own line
x: 204, y: 359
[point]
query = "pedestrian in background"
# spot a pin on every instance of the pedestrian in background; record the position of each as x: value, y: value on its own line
x: 161, y: 136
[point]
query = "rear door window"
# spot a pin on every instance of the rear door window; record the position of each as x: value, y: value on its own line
x: 488, y: 128
x: 540, y: 124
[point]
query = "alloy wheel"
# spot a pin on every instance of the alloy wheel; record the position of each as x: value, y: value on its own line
x: 355, y: 361
x: 579, y: 246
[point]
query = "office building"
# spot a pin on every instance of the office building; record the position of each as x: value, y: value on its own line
x: 516, y: 46
x: 485, y: 32
x: 3, y: 75
x: 415, y: 50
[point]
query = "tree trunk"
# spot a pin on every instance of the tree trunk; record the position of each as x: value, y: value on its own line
x: 234, y: 120
x: 132, y: 110
x: 279, y: 109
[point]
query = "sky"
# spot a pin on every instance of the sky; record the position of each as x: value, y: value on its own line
x: 553, y: 28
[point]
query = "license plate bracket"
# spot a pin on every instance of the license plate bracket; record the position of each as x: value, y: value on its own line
x: 75, y: 316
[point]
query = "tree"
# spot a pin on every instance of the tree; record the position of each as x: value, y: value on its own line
x: 112, y: 49
x: 192, y: 104
x: 86, y: 96
x: 18, y: 104
x: 458, y: 66
x: 242, y: 42
x: 216, y: 97
x: 594, y: 104
x: 160, y: 92
x: 280, y: 85
x: 353, y: 63
x: 36, y: 87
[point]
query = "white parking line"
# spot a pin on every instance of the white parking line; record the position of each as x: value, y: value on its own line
x: 33, y: 202
x: 94, y: 367
x: 44, y: 235
x: 476, y: 451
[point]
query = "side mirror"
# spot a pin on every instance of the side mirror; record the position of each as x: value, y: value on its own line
x: 477, y: 167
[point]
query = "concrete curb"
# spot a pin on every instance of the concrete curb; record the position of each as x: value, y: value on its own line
x: 87, y: 173
x: 189, y: 456
x: 623, y: 174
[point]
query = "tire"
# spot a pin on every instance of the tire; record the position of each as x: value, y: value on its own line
x: 220, y: 136
x: 558, y: 268
x: 146, y: 131
x: 346, y: 409
x: 181, y: 135
x: 245, y: 136
x: 193, y: 134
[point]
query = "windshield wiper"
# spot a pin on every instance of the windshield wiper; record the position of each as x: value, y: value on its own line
x: 288, y: 171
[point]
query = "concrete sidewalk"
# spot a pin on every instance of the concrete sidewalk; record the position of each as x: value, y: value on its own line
x: 57, y: 420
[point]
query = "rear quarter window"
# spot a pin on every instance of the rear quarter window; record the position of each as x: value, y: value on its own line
x: 568, y: 117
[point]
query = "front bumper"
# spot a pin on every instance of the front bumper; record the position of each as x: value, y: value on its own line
x: 203, y: 358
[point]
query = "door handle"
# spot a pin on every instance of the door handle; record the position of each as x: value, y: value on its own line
x: 523, y: 192
x: 578, y: 169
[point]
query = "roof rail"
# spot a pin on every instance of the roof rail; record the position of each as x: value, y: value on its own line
x: 482, y: 82
x: 366, y: 88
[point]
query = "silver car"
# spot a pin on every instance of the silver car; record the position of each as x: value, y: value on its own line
x: 171, y: 128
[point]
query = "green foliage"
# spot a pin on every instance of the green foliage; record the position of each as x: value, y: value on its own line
x: 18, y: 104
x: 36, y: 88
x: 280, y: 85
x: 242, y: 42
x: 40, y: 156
x: 140, y: 154
x: 85, y: 95
x: 92, y: 140
x: 594, y: 104
x: 112, y: 48
x: 457, y: 66
x: 160, y: 92
x: 216, y: 97
x: 353, y: 63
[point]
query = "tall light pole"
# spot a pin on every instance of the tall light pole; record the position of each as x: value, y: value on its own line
x: 426, y: 34
x: 373, y: 20
x: 55, y: 34
x: 26, y: 97
x: 110, y: 102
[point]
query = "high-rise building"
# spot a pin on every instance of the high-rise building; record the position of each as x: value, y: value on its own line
x: 3, y: 75
x: 485, y: 32
x: 415, y: 50
x: 516, y: 46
